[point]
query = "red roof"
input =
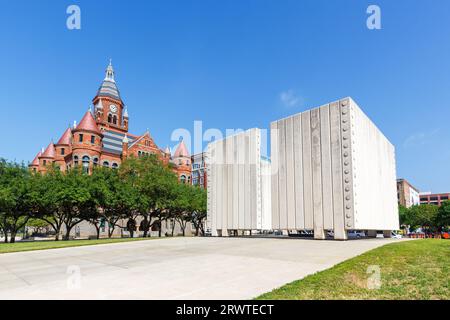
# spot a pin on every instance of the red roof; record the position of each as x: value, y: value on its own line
x: 88, y: 124
x: 181, y: 150
x: 36, y: 160
x: 65, y: 139
x: 49, y: 152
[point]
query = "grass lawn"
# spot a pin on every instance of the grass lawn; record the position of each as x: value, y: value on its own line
x: 43, y: 245
x: 409, y: 270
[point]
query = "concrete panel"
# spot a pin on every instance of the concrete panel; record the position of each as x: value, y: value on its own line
x: 298, y: 173
x: 282, y: 174
x: 307, y: 171
x: 316, y: 161
x: 237, y: 186
x: 327, y: 183
x: 375, y: 204
x: 337, y: 173
x: 290, y: 172
x: 274, y: 175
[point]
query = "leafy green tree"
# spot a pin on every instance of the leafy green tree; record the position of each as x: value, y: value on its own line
x: 199, y: 199
x: 443, y: 215
x: 44, y: 197
x: 14, y: 198
x: 423, y: 216
x: 155, y: 184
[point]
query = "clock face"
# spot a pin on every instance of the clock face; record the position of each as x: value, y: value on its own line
x: 113, y: 108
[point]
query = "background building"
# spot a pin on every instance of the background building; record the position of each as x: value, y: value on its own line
x: 199, y: 176
x: 407, y: 194
x: 102, y: 138
x: 434, y: 198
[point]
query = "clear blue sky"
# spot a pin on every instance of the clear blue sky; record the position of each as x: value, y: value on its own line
x: 231, y: 64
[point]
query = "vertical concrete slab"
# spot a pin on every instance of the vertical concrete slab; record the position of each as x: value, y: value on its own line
x: 247, y: 194
x: 229, y: 146
x: 235, y: 190
x: 327, y: 183
x: 282, y: 174
x: 337, y: 173
x: 298, y: 173
x: 347, y: 158
x: 317, y: 174
x: 241, y: 168
x: 275, y: 174
x: 307, y: 171
x: 290, y: 173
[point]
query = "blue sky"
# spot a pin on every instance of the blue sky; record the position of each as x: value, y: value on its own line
x: 231, y: 64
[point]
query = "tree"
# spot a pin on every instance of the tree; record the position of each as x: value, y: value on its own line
x: 14, y: 198
x: 200, y: 210
x: 155, y: 184
x: 44, y: 198
x: 62, y: 199
x: 443, y: 215
x: 423, y: 216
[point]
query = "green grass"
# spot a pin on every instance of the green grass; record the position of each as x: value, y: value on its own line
x: 410, y: 270
x: 44, y: 245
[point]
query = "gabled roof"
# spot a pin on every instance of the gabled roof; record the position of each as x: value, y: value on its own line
x: 146, y: 134
x: 35, y: 162
x: 49, y: 152
x: 65, y: 139
x: 88, y: 124
x: 181, y: 151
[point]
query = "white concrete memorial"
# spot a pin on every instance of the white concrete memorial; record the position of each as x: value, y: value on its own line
x: 332, y: 170
x: 238, y: 185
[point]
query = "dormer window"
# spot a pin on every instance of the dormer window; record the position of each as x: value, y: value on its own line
x: 62, y: 151
x: 92, y: 139
x: 80, y: 138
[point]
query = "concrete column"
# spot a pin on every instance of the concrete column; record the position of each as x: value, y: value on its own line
x: 225, y: 233
x: 285, y: 233
x: 341, y: 235
x: 319, y: 234
x: 387, y: 233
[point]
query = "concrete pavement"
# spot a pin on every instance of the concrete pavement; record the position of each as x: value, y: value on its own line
x: 174, y: 268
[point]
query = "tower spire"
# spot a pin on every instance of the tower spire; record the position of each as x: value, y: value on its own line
x: 110, y: 72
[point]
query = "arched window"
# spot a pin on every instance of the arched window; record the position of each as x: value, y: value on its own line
x: 95, y: 161
x: 106, y: 164
x: 183, y: 179
x: 109, y: 118
x: 115, y: 165
x: 115, y: 119
x: 86, y: 160
x: 75, y: 160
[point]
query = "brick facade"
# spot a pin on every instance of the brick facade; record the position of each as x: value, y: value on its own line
x: 102, y: 139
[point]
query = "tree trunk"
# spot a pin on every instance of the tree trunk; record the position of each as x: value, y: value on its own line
x: 97, y: 228
x: 173, y: 227
x: 67, y: 236
x: 6, y: 237
x: 12, y: 238
x: 159, y: 227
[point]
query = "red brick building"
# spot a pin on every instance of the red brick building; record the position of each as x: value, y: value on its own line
x: 102, y: 139
x: 434, y: 198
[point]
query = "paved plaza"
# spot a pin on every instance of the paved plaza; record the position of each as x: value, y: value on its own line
x: 175, y: 268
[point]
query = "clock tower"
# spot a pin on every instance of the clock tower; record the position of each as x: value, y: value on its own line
x: 110, y: 112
